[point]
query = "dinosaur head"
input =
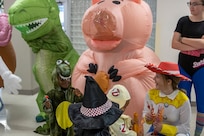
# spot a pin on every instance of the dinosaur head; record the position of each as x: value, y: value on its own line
x: 34, y: 18
x: 61, y: 75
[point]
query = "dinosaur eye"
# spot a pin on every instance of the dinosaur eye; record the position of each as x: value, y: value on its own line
x: 58, y: 62
x: 67, y: 62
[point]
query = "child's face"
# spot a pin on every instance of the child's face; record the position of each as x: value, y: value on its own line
x: 160, y: 82
x: 64, y: 83
x: 163, y: 84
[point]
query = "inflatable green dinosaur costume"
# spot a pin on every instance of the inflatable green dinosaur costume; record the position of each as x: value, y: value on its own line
x: 39, y: 24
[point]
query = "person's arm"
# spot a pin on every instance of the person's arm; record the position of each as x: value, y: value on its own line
x: 185, y: 118
x: 184, y: 122
x: 78, y: 96
x: 197, y: 43
x: 179, y: 44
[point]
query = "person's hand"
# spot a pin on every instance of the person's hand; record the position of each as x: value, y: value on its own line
x: 11, y: 82
x: 77, y: 92
x: 47, y: 102
x: 157, y: 126
x: 149, y: 117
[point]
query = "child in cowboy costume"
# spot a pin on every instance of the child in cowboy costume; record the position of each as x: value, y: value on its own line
x: 167, y: 107
x: 95, y: 114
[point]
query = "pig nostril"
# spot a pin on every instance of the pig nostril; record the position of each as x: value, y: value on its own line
x: 116, y: 2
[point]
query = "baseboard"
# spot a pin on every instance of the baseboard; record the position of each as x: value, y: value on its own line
x: 28, y: 92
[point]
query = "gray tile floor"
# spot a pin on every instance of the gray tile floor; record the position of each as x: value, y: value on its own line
x: 21, y: 112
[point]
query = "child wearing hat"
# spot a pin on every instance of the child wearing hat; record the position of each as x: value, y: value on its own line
x: 95, y: 114
x: 56, y: 101
x: 166, y: 107
x: 122, y: 127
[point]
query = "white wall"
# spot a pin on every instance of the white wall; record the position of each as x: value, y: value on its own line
x: 24, y: 56
x: 168, y: 13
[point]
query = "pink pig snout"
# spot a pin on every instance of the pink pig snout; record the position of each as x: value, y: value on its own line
x: 100, y: 23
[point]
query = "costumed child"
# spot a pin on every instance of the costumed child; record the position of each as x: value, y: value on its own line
x: 122, y: 127
x: 167, y: 108
x: 95, y: 114
x: 57, y: 99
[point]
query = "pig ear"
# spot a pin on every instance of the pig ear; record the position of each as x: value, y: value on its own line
x: 95, y: 1
x: 137, y: 1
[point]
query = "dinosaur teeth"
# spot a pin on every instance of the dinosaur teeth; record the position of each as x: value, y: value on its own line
x: 31, y: 26
x: 64, y: 78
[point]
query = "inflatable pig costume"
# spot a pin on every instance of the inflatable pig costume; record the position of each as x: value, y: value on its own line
x: 116, y: 32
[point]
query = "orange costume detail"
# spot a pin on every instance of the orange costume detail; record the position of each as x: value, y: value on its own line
x: 116, y: 33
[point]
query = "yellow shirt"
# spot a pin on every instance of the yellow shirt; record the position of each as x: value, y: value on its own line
x: 176, y: 114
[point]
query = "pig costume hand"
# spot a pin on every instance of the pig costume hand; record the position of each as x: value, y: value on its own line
x: 116, y: 33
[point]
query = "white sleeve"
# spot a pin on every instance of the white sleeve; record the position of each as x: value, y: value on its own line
x: 3, y: 67
x: 185, y: 118
x: 146, y: 102
x: 11, y: 81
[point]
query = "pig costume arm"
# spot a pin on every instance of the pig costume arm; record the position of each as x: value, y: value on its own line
x: 81, y: 68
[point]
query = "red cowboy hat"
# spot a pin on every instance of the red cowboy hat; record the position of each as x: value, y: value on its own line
x: 167, y: 68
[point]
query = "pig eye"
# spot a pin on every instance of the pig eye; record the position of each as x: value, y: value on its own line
x: 116, y: 2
